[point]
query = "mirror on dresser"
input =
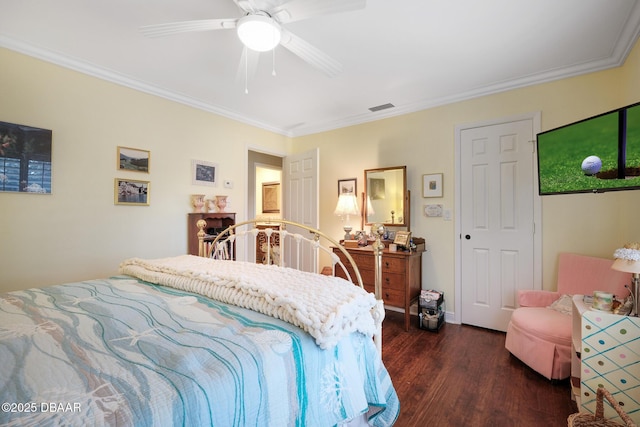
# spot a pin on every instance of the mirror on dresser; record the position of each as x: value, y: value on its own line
x: 386, y: 200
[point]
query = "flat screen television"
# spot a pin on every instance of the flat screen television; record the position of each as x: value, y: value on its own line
x: 594, y: 155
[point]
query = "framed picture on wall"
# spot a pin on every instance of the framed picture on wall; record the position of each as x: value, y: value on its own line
x: 131, y: 192
x: 25, y: 154
x: 204, y: 173
x: 271, y: 197
x: 432, y: 185
x: 348, y: 186
x: 133, y: 159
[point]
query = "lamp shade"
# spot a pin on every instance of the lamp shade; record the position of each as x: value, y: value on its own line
x: 627, y: 266
x: 347, y: 205
x: 627, y: 258
x: 258, y: 32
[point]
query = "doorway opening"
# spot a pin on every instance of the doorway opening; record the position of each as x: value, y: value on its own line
x: 264, y: 173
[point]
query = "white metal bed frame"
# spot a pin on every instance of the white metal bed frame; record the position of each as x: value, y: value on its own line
x: 223, y: 247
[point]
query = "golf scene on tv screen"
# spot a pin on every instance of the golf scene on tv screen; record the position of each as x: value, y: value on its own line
x: 598, y: 154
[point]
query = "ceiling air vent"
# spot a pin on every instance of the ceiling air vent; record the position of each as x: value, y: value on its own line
x: 381, y: 107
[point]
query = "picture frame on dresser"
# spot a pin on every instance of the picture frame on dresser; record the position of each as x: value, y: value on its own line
x: 402, y: 238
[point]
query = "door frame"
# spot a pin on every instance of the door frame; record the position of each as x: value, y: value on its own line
x: 537, y: 209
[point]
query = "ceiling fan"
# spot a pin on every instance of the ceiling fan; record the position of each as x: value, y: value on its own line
x: 263, y: 24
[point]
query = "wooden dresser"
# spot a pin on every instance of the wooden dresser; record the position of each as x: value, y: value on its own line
x: 401, y: 275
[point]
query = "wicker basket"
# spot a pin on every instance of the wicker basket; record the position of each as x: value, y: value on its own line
x: 597, y: 420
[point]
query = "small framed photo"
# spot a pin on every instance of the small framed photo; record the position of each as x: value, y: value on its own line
x: 432, y: 185
x: 131, y: 192
x: 271, y: 197
x: 402, y: 238
x: 348, y: 186
x: 204, y: 173
x: 133, y: 159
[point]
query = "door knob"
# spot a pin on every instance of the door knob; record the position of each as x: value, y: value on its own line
x: 468, y: 237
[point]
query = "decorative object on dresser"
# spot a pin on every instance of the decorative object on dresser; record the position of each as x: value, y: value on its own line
x: 401, y: 274
x: 215, y: 222
x: 198, y: 203
x: 347, y: 206
x: 221, y: 203
x: 402, y: 239
x: 628, y: 260
x: 539, y: 332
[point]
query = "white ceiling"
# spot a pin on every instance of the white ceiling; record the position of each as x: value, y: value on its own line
x: 414, y: 54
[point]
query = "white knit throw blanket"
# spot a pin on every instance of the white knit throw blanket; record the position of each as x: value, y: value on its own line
x: 326, y: 307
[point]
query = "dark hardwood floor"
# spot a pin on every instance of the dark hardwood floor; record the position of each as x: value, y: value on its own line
x: 463, y: 376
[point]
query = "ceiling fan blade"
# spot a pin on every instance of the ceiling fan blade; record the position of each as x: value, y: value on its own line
x: 247, y: 66
x: 296, y: 10
x: 245, y: 5
x: 310, y: 54
x: 158, y: 30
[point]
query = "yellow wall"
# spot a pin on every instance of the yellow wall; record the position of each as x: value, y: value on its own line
x: 77, y: 232
x: 425, y: 142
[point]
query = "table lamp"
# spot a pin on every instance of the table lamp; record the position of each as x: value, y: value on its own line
x: 347, y: 205
x: 628, y: 260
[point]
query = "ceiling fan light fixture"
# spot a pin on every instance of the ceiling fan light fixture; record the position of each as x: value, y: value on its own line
x: 259, y: 32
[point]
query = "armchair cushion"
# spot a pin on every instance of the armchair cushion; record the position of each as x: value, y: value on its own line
x: 548, y: 325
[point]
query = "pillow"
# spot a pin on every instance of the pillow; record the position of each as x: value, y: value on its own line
x: 562, y: 305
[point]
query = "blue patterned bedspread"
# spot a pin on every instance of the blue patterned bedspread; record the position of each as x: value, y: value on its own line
x: 124, y: 352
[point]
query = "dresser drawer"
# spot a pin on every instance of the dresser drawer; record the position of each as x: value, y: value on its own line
x: 393, y: 281
x: 393, y: 265
x: 363, y: 261
x: 393, y: 297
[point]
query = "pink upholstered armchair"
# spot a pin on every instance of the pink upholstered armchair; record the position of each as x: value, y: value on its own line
x: 541, y: 336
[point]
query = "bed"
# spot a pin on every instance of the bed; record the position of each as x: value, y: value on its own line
x: 195, y: 340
